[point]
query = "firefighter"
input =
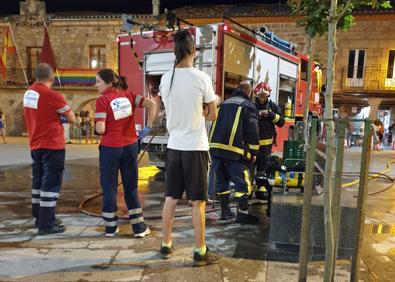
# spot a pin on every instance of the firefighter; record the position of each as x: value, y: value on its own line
x: 269, y: 116
x: 234, y: 143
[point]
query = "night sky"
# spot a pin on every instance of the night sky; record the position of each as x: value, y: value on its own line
x: 119, y: 6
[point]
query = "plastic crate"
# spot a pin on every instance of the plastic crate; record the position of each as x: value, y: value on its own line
x: 293, y: 152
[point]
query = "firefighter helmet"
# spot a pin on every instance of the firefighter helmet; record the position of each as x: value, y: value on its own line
x: 262, y: 88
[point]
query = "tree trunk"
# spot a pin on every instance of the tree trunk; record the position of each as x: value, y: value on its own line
x: 308, y: 89
x: 328, y: 115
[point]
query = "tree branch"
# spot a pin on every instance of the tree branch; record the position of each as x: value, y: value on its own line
x: 345, y: 8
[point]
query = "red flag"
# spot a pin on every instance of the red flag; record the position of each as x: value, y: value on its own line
x: 46, y: 55
x: 6, y: 47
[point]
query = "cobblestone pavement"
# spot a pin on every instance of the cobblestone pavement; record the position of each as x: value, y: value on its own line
x: 82, y: 253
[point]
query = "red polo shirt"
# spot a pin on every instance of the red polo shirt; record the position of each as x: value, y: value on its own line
x: 116, y: 109
x: 42, y: 107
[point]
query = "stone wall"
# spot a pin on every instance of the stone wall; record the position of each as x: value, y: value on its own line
x: 11, y: 99
x: 70, y: 39
x: 374, y: 34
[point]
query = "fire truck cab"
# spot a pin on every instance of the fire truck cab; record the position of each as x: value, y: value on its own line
x: 228, y: 53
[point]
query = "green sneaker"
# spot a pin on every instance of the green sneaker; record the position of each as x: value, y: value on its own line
x: 165, y: 251
x: 206, y: 259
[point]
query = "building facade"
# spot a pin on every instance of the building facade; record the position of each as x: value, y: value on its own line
x: 83, y: 42
x: 364, y: 74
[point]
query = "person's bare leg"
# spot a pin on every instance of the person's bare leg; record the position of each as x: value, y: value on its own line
x: 167, y: 218
x: 199, y: 222
x: 2, y: 135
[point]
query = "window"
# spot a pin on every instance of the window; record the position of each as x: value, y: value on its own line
x: 356, y: 63
x: 33, y: 59
x: 390, y: 69
x: 97, y: 56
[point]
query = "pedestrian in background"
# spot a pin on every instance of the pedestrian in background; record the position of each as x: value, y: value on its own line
x: 118, y: 149
x: 77, y: 128
x: 184, y: 92
x: 88, y: 122
x: 2, y: 125
x: 42, y: 109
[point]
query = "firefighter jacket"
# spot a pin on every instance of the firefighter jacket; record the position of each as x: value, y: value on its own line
x: 267, y: 129
x: 235, y: 135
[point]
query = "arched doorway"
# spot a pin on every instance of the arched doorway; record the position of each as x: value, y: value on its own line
x: 83, y: 130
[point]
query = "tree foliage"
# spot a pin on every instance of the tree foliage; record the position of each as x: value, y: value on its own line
x: 314, y: 14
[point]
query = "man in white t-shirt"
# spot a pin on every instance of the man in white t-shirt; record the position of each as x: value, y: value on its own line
x: 189, y: 100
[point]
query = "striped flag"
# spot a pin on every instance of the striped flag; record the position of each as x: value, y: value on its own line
x: 7, y: 47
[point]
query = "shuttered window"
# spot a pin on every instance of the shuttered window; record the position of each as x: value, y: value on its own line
x: 356, y: 63
x: 390, y: 69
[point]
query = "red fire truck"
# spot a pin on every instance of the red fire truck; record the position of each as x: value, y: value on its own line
x: 229, y: 53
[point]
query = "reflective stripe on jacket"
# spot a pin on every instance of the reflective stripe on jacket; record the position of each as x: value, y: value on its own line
x: 267, y: 125
x: 234, y: 135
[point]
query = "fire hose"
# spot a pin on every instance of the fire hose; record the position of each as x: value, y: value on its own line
x: 372, y: 176
x: 99, y: 194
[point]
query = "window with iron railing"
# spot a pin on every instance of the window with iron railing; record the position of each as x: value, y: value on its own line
x: 355, y: 69
x: 97, y: 56
x: 390, y: 80
x: 390, y: 69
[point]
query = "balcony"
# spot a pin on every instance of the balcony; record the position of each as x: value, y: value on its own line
x: 64, y: 77
x: 368, y: 80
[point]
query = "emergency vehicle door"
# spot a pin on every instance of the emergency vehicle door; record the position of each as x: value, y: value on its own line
x: 155, y: 65
x: 206, y: 43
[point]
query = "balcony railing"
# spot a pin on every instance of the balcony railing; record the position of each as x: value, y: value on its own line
x: 63, y: 77
x: 368, y: 79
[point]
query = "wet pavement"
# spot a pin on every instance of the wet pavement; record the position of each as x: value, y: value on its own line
x: 82, y: 253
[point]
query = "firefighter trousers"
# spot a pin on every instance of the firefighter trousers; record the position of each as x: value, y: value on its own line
x: 235, y: 171
x: 47, y: 171
x: 123, y: 159
x: 263, y: 156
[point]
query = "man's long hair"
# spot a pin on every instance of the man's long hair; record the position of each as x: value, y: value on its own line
x: 183, y: 46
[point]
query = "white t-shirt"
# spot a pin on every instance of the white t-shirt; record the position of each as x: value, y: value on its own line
x: 184, y: 108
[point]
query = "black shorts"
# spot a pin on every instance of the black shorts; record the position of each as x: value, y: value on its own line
x: 187, y: 171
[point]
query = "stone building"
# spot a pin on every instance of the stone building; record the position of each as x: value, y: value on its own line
x: 83, y: 41
x: 364, y: 74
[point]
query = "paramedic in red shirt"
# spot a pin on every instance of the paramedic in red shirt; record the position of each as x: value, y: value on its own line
x: 43, y: 109
x: 114, y: 119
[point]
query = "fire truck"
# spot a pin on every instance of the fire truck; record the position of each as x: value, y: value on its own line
x: 229, y: 53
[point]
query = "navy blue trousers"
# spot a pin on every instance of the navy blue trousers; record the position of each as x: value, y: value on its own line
x: 47, y: 169
x: 123, y: 159
x: 227, y: 170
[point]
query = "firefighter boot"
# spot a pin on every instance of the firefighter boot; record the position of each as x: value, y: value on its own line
x: 262, y: 183
x: 243, y: 216
x: 226, y: 212
x: 261, y: 193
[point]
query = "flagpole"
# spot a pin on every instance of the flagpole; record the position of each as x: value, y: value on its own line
x: 19, y: 56
x: 56, y: 70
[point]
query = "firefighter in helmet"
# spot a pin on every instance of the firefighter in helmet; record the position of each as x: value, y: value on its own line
x: 234, y: 143
x: 269, y: 116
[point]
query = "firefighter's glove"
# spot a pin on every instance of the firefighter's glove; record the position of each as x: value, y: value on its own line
x: 144, y: 132
x: 63, y: 119
x: 263, y: 113
x: 271, y: 116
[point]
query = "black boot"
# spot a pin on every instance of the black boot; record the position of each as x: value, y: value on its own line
x: 261, y: 195
x: 242, y: 212
x: 226, y: 212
